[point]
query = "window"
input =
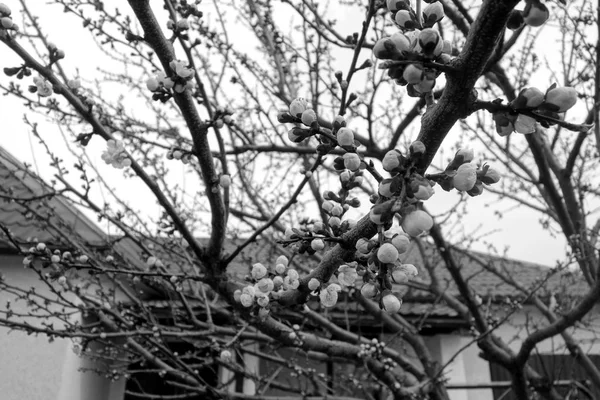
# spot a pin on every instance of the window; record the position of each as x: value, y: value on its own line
x: 558, y: 367
x: 145, y: 381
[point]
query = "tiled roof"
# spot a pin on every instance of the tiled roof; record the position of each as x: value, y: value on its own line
x: 46, y: 217
x: 52, y: 216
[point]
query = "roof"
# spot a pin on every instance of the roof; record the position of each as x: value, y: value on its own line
x: 29, y: 209
x: 48, y: 216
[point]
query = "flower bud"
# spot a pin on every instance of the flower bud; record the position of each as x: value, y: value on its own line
x: 259, y: 271
x: 477, y: 190
x: 337, y: 210
x: 334, y: 222
x: 345, y: 137
x: 262, y: 299
x: 417, y: 222
x: 318, y: 227
x: 405, y: 20
x: 347, y: 275
x: 246, y: 300
x: 183, y: 24
x: 515, y: 20
x: 225, y: 180
x: 466, y: 154
x: 560, y: 99
x: 368, y: 290
x: 362, y: 245
x: 524, y: 124
x: 391, y: 160
x: 381, y: 51
x: 387, y: 253
x: 465, y: 178
x: 391, y: 303
x: 535, y: 13
x: 317, y: 244
x: 265, y: 285
x: 431, y: 42
x: 297, y: 135
x: 401, y: 242
x: 401, y: 42
x: 385, y: 188
x: 395, y: 5
x: 424, y: 191
x: 282, y: 260
x: 426, y: 86
x: 328, y: 298
x: 298, y: 106
x: 528, y: 98
x: 236, y: 295
x: 417, y: 148
x: 398, y: 275
x: 4, y: 10
x: 313, y: 284
x: 308, y: 117
x: 225, y: 355
x: 293, y: 275
x: 6, y: 22
x: 278, y: 281
x: 284, y: 116
x: 409, y: 269
x: 413, y: 74
x: 491, y: 176
x: 351, y: 161
x: 433, y: 13
x: 504, y: 123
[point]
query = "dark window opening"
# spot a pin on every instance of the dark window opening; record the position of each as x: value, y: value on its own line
x: 557, y: 367
x: 146, y: 381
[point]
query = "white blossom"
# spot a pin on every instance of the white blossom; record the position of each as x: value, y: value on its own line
x: 116, y: 155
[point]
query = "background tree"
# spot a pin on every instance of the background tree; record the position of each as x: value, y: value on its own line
x: 186, y: 110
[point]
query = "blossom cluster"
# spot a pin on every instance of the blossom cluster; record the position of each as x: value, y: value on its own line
x: 414, y: 46
x: 535, y: 14
x: 179, y: 80
x: 267, y: 284
x: 464, y: 175
x: 6, y: 22
x: 554, y: 103
x: 384, y: 267
x: 53, y: 261
x: 116, y: 155
x: 42, y: 86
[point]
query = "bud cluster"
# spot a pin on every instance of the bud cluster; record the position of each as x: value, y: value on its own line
x: 417, y: 43
x: 180, y: 79
x: 535, y: 14
x: 54, y: 262
x: 116, y: 155
x: 267, y: 284
x: 384, y: 267
x: 176, y: 153
x: 222, y: 116
x: 6, y: 22
x: 554, y: 103
x: 464, y: 175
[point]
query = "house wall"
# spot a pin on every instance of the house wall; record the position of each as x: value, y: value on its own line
x: 467, y: 367
x: 30, y: 367
x: 34, y: 369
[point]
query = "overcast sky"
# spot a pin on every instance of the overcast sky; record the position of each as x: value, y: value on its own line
x: 519, y: 228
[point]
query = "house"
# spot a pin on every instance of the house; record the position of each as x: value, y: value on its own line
x: 35, y: 368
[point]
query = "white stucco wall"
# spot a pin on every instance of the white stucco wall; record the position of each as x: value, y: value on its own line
x: 468, y: 368
x: 30, y: 367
